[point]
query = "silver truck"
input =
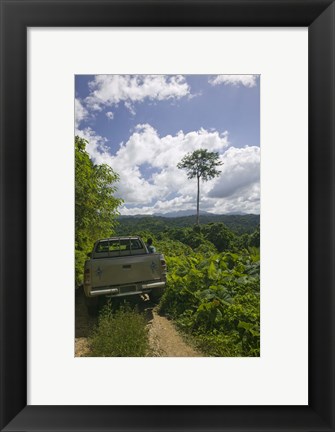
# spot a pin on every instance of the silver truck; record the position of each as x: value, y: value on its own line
x: 121, y: 267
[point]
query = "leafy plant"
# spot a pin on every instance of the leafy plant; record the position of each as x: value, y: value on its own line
x: 95, y: 204
x: 216, y: 299
x: 119, y: 333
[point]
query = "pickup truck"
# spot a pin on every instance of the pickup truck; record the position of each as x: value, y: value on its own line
x: 121, y: 267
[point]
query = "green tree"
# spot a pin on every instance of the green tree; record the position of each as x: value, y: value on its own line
x: 255, y: 238
x: 95, y: 203
x: 221, y: 236
x: 201, y: 164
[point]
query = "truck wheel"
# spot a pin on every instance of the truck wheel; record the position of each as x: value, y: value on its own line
x: 92, y: 305
x: 156, y: 295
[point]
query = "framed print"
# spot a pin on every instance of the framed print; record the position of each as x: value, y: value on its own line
x: 202, y: 395
x: 241, y: 367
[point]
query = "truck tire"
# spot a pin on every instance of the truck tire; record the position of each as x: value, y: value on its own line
x: 92, y: 305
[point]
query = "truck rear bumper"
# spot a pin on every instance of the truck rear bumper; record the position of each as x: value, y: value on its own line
x: 125, y: 290
x: 154, y: 285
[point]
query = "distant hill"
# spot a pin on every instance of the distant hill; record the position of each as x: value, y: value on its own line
x: 156, y: 224
x: 181, y: 213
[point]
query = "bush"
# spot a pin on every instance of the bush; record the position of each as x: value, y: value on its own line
x: 215, y: 298
x: 122, y: 333
x: 219, y: 345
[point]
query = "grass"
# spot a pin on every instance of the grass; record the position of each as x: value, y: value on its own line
x: 218, y: 346
x: 120, y: 333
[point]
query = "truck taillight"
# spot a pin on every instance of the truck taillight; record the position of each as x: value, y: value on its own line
x: 163, y: 263
x: 87, y: 276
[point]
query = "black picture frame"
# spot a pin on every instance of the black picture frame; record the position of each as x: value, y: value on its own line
x: 16, y: 17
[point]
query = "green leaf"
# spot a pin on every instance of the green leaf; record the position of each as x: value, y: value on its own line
x: 212, y: 271
x: 245, y: 325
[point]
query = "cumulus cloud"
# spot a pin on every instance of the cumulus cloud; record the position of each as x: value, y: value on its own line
x: 247, y: 200
x: 238, y: 187
x: 110, y: 115
x: 97, y: 145
x: 109, y: 90
x: 80, y: 112
x: 150, y: 181
x: 235, y: 80
x: 241, y: 168
x: 176, y: 204
x: 130, y: 107
x: 146, y: 146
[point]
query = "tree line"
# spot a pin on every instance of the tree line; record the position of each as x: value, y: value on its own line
x: 96, y: 207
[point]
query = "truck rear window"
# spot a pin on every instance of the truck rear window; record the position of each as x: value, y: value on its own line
x: 102, y: 247
x: 115, y: 246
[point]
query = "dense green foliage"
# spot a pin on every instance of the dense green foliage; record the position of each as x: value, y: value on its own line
x: 213, y: 289
x: 201, y: 164
x: 216, y: 299
x: 239, y: 224
x: 119, y: 333
x: 95, y: 204
x: 217, y: 234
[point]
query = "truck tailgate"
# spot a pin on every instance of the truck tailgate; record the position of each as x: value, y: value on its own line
x: 125, y: 270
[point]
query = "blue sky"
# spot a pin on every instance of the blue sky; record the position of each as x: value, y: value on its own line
x: 142, y: 125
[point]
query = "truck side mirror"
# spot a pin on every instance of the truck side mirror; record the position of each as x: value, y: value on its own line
x: 89, y: 255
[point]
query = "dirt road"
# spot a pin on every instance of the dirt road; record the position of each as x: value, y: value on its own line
x: 164, y: 339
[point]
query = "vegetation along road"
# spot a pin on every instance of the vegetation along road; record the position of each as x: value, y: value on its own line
x: 163, y: 337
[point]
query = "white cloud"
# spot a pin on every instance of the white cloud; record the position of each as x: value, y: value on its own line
x: 130, y: 107
x: 150, y: 181
x: 235, y: 80
x: 176, y: 204
x: 110, y: 115
x: 146, y: 146
x: 241, y: 168
x: 247, y: 200
x: 80, y: 112
x: 96, y: 148
x: 109, y: 90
